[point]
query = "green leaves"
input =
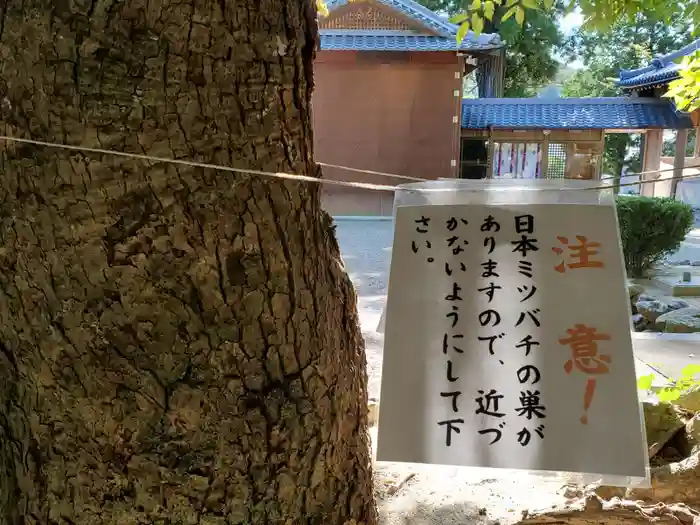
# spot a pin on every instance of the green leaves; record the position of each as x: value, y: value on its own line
x: 644, y: 382
x: 477, y: 24
x: 459, y: 18
x: 673, y: 391
x: 685, y: 91
x: 321, y: 7
x: 690, y: 371
x: 668, y: 394
x: 462, y: 32
x: 519, y: 15
x: 489, y: 9
x: 508, y: 14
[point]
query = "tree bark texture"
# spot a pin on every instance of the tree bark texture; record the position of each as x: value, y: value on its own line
x: 177, y: 345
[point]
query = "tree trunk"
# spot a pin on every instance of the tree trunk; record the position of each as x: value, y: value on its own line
x: 177, y: 345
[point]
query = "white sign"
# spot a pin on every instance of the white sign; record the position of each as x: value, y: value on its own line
x: 507, y: 341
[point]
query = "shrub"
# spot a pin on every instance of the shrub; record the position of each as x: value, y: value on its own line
x: 651, y: 228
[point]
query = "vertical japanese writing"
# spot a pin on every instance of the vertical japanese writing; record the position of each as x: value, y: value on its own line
x: 488, y: 401
x: 456, y: 242
x: 422, y: 225
x: 530, y: 407
x: 581, y: 339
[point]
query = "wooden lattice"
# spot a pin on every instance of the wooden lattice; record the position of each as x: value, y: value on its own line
x: 364, y: 16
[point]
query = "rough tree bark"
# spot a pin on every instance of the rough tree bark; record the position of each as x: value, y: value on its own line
x: 177, y: 345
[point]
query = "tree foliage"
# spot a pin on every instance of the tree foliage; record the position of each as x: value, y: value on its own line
x: 601, y: 16
x: 530, y: 63
x: 628, y: 45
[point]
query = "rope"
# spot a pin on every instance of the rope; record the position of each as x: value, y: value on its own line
x: 306, y: 178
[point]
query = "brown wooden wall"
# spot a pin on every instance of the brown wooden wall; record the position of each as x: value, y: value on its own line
x: 388, y: 112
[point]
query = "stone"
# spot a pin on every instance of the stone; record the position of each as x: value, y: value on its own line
x: 634, y: 289
x: 653, y: 309
x: 681, y: 321
x: 690, y: 400
x: 591, y: 509
x: 639, y: 323
x: 676, y: 482
x: 662, y: 421
x: 692, y: 432
x: 373, y: 412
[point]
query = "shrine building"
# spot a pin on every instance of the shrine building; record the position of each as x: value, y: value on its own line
x: 390, y: 80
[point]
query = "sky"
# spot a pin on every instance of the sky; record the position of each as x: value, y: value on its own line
x: 568, y: 24
x: 571, y: 22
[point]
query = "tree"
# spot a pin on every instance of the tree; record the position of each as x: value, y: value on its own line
x: 626, y: 45
x: 530, y: 63
x: 601, y: 15
x: 669, y: 146
x: 177, y: 345
x: 604, y: 14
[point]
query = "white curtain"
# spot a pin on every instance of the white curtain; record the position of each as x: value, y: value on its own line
x: 521, y: 161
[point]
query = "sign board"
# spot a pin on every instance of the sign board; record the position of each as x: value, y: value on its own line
x: 507, y: 341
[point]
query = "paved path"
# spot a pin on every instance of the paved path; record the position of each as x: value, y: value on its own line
x: 668, y: 354
x: 690, y: 248
x: 366, y: 250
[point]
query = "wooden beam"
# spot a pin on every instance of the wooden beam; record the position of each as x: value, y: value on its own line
x: 544, y: 162
x: 653, y: 144
x: 679, y: 159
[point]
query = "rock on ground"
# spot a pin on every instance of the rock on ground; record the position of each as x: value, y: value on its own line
x: 681, y: 321
x: 662, y: 421
x: 677, y: 482
x: 594, y: 511
x: 651, y: 309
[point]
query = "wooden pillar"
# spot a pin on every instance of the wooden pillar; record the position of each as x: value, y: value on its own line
x: 544, y: 159
x: 455, y: 161
x: 653, y: 146
x: 679, y: 159
x: 600, y: 151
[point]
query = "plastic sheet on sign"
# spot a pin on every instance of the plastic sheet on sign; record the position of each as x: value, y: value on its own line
x: 418, y: 443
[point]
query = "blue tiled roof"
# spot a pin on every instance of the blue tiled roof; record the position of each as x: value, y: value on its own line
x: 368, y: 40
x: 572, y: 113
x: 389, y: 40
x: 661, y: 70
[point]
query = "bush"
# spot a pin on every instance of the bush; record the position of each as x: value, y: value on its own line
x: 651, y: 229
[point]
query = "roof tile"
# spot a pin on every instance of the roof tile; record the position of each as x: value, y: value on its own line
x: 382, y: 40
x: 346, y: 40
x: 572, y: 113
x: 660, y: 70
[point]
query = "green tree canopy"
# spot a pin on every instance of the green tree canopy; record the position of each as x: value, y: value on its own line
x: 530, y: 47
x: 627, y: 44
x: 602, y: 16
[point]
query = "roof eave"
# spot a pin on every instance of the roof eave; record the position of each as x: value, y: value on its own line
x: 644, y: 85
